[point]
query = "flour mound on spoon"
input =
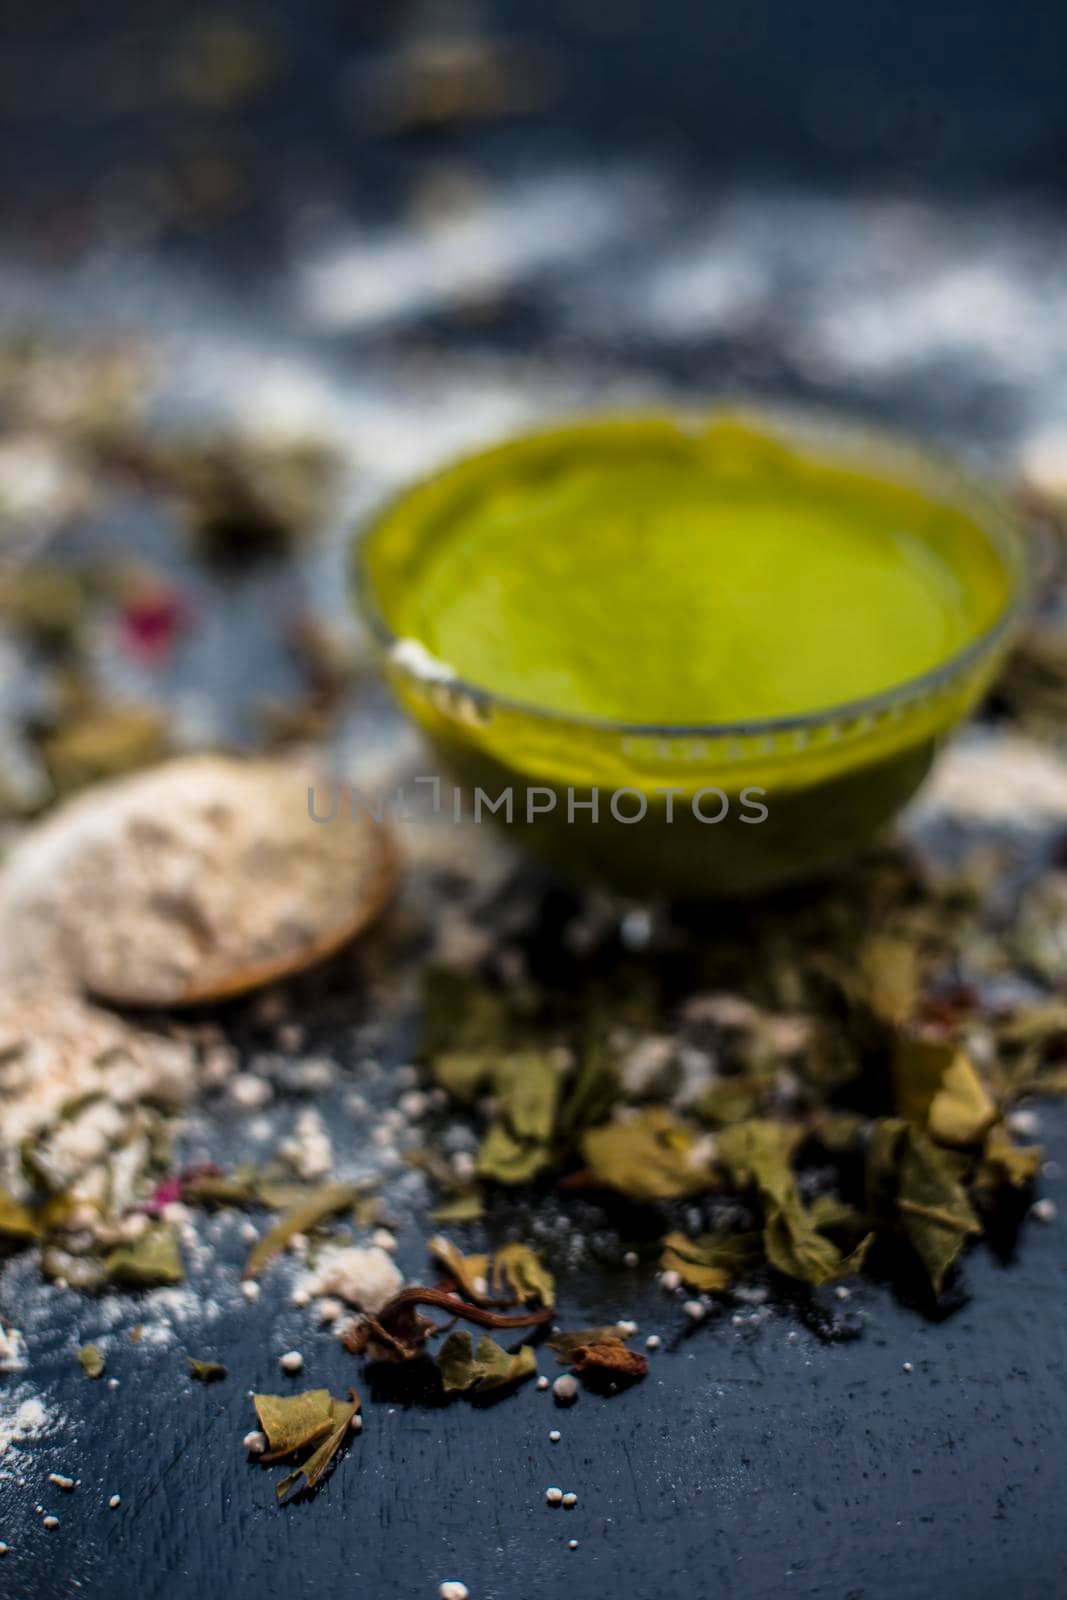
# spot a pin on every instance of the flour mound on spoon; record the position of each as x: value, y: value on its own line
x: 201, y: 878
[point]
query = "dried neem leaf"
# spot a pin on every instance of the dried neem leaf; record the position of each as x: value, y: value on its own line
x: 503, y: 1158
x: 46, y: 603
x: 91, y: 1360
x: 713, y: 1261
x: 881, y: 1168
x: 465, y: 1204
x: 1041, y: 928
x: 293, y: 1422
x: 795, y: 1246
x: 652, y: 1156
x: 593, y: 1091
x: 470, y: 1273
x: 838, y: 1131
x: 104, y: 742
x: 307, y: 1213
x: 211, y: 1189
x: 735, y: 1099
x: 461, y: 1015
x: 1038, y: 1024
x: 1031, y: 1045
x: 312, y: 1421
x: 465, y: 1074
x: 150, y: 1262
x: 488, y: 1369
x: 206, y: 1371
x: 1006, y: 1163
x: 889, y: 970
x: 608, y: 1359
x: 759, y: 1154
x: 936, y: 1214
x: 938, y: 1088
x: 17, y: 1225
x: 599, y: 1356
x: 308, y: 1474
x: 517, y: 1145
x: 519, y: 1273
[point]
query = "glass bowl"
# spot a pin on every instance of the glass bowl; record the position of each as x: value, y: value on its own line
x: 687, y: 810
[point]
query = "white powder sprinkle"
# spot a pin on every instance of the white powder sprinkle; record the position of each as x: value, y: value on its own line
x: 12, y: 1350
x: 20, y: 1422
x: 365, y: 1278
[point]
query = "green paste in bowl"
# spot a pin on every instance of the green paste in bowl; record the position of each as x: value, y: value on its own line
x: 784, y: 614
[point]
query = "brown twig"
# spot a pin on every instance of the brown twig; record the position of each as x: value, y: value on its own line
x: 418, y: 1296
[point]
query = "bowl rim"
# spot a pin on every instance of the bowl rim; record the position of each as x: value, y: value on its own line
x: 820, y: 426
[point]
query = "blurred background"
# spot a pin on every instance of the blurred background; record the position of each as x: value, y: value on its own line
x: 261, y: 264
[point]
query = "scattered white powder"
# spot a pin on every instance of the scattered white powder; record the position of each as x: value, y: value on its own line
x: 309, y: 1150
x: 20, y: 1420
x: 365, y: 1278
x: 996, y: 777
x: 12, y: 1350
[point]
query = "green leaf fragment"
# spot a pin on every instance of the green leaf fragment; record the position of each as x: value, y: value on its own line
x: 734, y: 1099
x: 464, y: 1075
x: 938, y: 1217
x: 312, y: 1421
x: 293, y: 1422
x: 517, y: 1145
x: 464, y: 1205
x: 889, y: 978
x: 308, y: 1474
x: 150, y: 1262
x: 470, y: 1273
x: 759, y: 1154
x: 206, y: 1371
x: 520, y: 1273
x: 713, y: 1261
x: 592, y: 1093
x: 487, y: 1370
x: 938, y: 1088
x: 16, y: 1223
x: 912, y: 1181
x: 652, y: 1156
x: 1006, y: 1163
x: 91, y: 1359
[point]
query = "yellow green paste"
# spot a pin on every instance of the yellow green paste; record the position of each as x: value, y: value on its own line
x: 649, y: 572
